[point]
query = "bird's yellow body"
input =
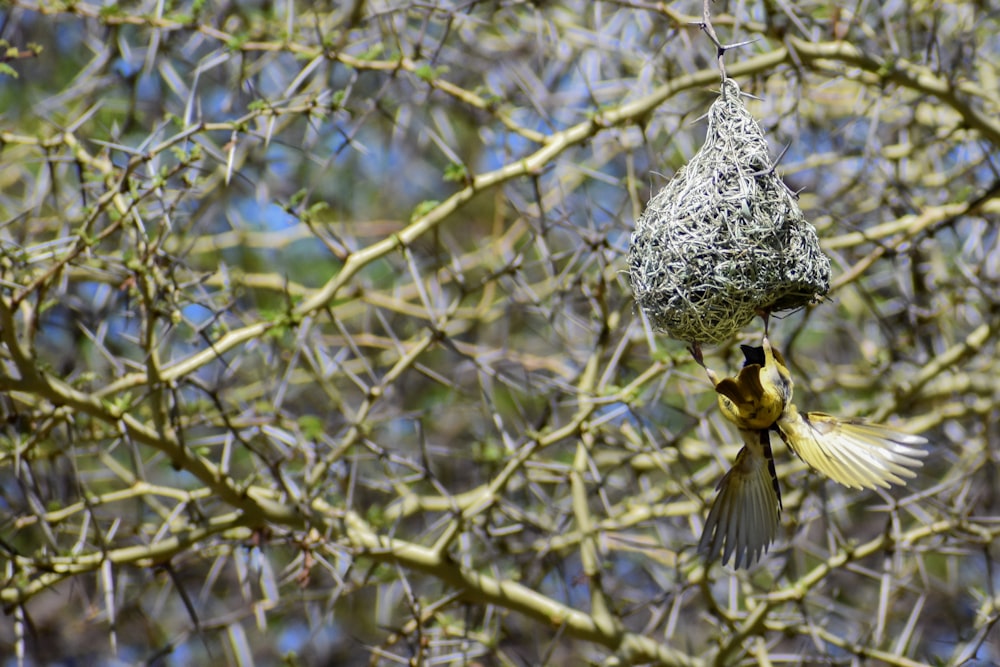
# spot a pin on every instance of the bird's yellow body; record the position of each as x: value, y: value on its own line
x: 756, y: 397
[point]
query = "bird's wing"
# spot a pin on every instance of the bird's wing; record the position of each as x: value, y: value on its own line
x: 744, y: 389
x: 744, y: 517
x: 852, y: 452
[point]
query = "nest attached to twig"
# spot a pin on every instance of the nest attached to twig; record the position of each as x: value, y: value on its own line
x: 725, y: 238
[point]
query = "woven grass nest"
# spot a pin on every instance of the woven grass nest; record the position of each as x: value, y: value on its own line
x: 725, y: 238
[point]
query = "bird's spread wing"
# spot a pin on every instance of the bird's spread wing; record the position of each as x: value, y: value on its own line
x: 743, y: 520
x: 854, y: 453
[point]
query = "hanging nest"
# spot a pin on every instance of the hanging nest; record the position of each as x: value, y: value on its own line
x: 725, y: 238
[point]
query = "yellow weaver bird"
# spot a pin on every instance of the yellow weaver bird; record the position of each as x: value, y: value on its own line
x: 744, y: 518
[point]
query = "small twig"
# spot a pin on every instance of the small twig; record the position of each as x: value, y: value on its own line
x: 695, y: 349
x: 765, y: 314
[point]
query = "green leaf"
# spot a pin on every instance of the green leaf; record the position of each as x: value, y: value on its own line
x: 423, y: 208
x: 429, y: 73
x: 373, y: 52
x: 456, y: 173
x: 312, y: 427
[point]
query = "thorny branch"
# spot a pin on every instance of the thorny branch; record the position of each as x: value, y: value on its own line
x: 720, y: 49
x: 320, y: 309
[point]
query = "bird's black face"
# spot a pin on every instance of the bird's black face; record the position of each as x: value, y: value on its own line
x: 753, y: 355
x: 777, y: 375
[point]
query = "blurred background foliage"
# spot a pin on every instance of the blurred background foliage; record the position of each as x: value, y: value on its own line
x: 317, y: 346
